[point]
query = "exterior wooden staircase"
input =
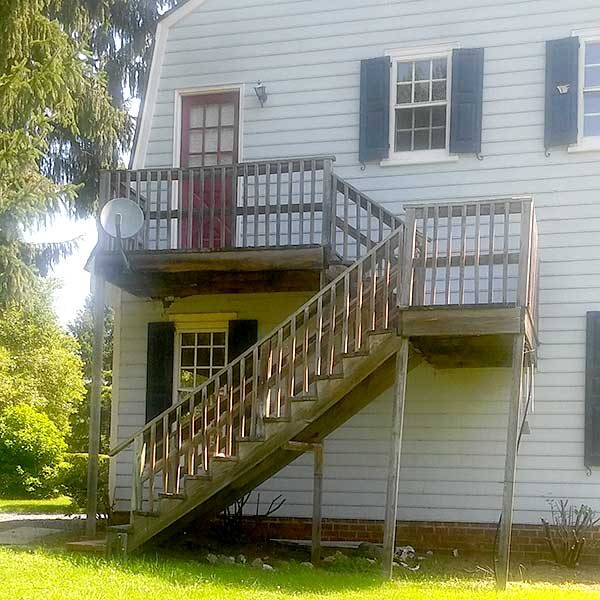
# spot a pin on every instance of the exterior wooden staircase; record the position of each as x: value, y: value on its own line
x: 335, y: 354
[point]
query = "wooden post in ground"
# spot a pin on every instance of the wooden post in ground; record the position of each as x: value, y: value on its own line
x: 95, y: 404
x: 510, y: 465
x: 317, y: 504
x: 391, y: 502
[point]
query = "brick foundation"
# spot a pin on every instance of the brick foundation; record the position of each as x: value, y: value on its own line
x: 469, y: 538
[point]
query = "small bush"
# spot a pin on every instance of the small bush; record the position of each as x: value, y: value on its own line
x: 565, y: 535
x: 31, y: 450
x: 74, y: 483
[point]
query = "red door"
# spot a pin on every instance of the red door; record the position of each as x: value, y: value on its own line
x: 209, y: 138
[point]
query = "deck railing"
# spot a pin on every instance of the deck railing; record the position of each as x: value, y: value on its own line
x: 482, y: 252
x: 448, y: 254
x: 263, y: 204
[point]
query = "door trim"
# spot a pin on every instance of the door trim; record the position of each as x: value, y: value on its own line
x: 197, y: 91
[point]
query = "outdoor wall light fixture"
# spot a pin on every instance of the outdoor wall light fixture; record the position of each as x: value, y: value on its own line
x: 261, y: 93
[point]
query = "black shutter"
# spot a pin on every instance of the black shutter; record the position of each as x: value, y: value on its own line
x: 467, y: 100
x: 242, y: 335
x: 592, y: 390
x: 374, y: 109
x: 159, y: 369
x: 562, y: 82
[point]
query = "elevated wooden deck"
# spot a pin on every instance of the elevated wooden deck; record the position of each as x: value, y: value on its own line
x: 275, y: 225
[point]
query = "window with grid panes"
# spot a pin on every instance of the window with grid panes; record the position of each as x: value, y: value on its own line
x: 200, y: 355
x: 420, y: 104
x: 591, y: 90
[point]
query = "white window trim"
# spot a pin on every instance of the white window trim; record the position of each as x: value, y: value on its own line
x: 196, y: 323
x: 199, y: 91
x: 418, y: 157
x: 589, y: 143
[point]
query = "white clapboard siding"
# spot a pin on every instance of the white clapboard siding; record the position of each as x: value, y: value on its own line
x: 308, y: 54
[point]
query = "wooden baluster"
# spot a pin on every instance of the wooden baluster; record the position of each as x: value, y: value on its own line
x: 448, y: 291
x: 301, y: 204
x: 206, y: 222
x: 151, y: 466
x: 278, y: 200
x: 491, y: 254
x: 505, y: 251
x: 244, y: 233
x: 346, y: 315
x: 191, y: 459
x: 332, y: 327
x: 369, y: 231
x: 200, y: 222
x: 137, y: 492
x: 269, y: 382
x: 205, y: 435
x: 190, y: 209
x: 372, y: 291
x: 224, y: 202
x: 386, y: 299
x: 358, y: 227
x: 359, y: 307
x: 254, y: 415
x: 318, y: 335
x: 305, y: 367
x: 313, y: 191
x: 477, y: 251
x: 463, y: 254
x: 345, y: 224
x: 158, y: 209
x: 178, y: 450
x: 243, y: 418
x: 147, y: 209
x: 422, y: 284
x: 256, y: 204
x: 165, y: 453
x: 229, y: 391
x: 292, y: 358
x: 435, y: 252
x: 380, y: 224
x: 290, y: 167
x: 279, y: 398
x: 267, y: 203
x: 407, y: 265
x: 169, y: 207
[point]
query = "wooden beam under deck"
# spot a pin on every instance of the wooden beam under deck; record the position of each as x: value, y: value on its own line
x: 466, y: 336
x: 164, y: 273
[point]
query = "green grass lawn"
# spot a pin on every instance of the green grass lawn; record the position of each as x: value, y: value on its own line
x: 62, y: 504
x: 40, y: 574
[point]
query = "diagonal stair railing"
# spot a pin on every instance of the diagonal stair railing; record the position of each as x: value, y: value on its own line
x: 262, y: 383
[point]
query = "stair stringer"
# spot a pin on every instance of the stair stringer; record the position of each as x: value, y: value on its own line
x: 338, y: 400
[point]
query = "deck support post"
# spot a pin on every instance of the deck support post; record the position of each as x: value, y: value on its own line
x: 391, y: 502
x: 315, y: 556
x: 95, y: 407
x: 510, y: 465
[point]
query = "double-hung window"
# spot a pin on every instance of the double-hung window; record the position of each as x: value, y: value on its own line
x: 590, y: 95
x: 420, y: 107
x: 199, y: 355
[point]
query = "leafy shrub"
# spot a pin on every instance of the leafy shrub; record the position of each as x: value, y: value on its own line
x: 73, y: 482
x: 31, y: 450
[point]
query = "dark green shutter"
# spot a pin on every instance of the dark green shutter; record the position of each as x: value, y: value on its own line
x: 374, y: 141
x: 242, y: 335
x: 592, y: 390
x: 159, y: 369
x: 467, y: 101
x: 562, y: 77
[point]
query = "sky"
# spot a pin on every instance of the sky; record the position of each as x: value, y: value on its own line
x: 73, y: 279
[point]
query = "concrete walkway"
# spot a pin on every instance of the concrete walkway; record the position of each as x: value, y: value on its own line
x: 27, y: 530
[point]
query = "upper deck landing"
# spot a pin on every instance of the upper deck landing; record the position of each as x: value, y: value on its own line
x: 274, y: 225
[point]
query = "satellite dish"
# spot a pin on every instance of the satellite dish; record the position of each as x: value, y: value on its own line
x: 121, y: 218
